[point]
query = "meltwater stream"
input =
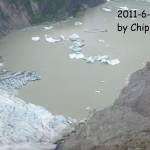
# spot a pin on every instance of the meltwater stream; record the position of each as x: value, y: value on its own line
x: 68, y: 86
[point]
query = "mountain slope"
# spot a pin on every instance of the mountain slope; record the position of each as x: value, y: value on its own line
x: 17, y: 14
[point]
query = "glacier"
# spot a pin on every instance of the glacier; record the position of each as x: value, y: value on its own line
x: 24, y: 123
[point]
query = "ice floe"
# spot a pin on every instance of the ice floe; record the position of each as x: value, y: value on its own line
x: 79, y: 43
x: 114, y: 62
x: 77, y: 49
x: 101, y: 41
x: 35, y: 38
x: 62, y: 37
x: 88, y: 108
x: 74, y: 37
x: 78, y: 23
x: 98, y: 91
x: 107, y: 9
x: 48, y: 28
x: 97, y: 58
x: 94, y: 30
x: 124, y: 8
x: 76, y: 56
x: 51, y: 40
x: 92, y: 59
x: 102, y: 81
x: 71, y: 47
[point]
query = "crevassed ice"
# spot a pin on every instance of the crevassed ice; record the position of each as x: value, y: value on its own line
x: 76, y: 56
x: 21, y: 122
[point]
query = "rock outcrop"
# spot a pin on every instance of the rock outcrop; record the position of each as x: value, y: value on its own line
x: 17, y: 14
x: 123, y: 126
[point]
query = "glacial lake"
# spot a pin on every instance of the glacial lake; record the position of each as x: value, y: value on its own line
x: 68, y: 86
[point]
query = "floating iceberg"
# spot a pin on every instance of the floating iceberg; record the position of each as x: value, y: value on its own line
x: 62, y: 37
x: 103, y: 30
x: 107, y: 9
x: 102, y: 81
x: 71, y: 47
x: 77, y: 49
x: 78, y: 23
x: 76, y: 56
x: 48, y: 28
x: 114, y: 62
x: 90, y: 59
x: 79, y: 43
x: 74, y: 37
x: 124, y: 8
x: 98, y: 91
x: 88, y: 108
x: 102, y: 59
x: 51, y: 40
x: 101, y: 41
x: 35, y: 38
x: 95, y: 30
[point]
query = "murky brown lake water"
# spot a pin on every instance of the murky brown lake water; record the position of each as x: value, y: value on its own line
x: 67, y: 85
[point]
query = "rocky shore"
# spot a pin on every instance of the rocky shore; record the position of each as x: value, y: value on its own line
x: 123, y: 126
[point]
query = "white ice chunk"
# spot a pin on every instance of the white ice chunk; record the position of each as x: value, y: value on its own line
x: 76, y: 56
x: 71, y: 47
x: 62, y: 37
x: 98, y: 91
x: 48, y: 28
x: 102, y: 81
x: 124, y: 8
x: 78, y: 23
x: 77, y: 49
x: 74, y: 37
x: 79, y: 43
x: 102, y: 41
x: 93, y: 30
x: 88, y: 108
x: 90, y: 59
x: 51, y: 40
x: 35, y: 38
x: 107, y: 9
x: 114, y: 62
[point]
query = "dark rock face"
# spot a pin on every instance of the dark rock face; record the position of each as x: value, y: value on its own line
x: 123, y: 126
x: 138, y: 97
x: 12, y: 16
x: 17, y: 14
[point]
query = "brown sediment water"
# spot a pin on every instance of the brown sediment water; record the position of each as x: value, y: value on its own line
x: 68, y: 86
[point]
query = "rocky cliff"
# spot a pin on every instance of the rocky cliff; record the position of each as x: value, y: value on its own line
x: 16, y: 14
x: 123, y: 126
